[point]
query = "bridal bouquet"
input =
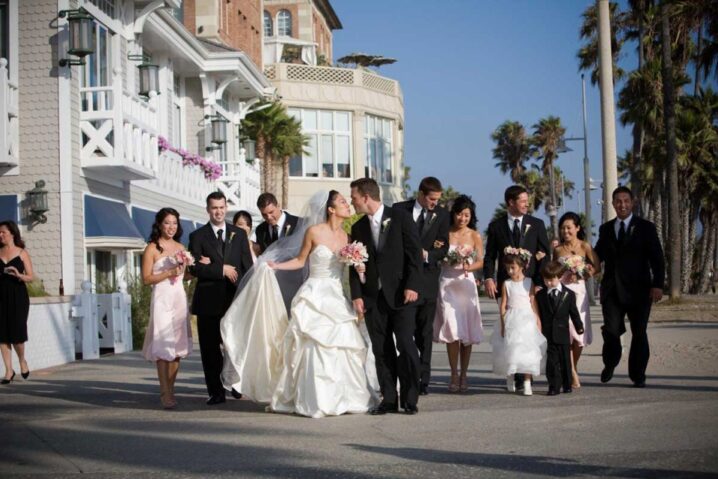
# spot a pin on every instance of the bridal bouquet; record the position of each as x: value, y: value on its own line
x: 182, y: 258
x: 576, y: 265
x: 461, y: 255
x: 354, y: 254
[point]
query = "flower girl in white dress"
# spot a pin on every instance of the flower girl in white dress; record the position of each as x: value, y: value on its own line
x: 518, y: 345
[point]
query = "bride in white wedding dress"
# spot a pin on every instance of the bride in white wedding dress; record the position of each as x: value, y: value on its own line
x: 316, y: 365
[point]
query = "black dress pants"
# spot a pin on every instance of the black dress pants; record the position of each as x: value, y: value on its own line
x: 424, y: 337
x: 558, y: 366
x: 614, y: 313
x: 210, y: 340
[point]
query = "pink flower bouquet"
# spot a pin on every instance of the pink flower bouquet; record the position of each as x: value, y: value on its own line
x: 462, y: 255
x: 575, y: 264
x: 182, y: 258
x: 354, y: 254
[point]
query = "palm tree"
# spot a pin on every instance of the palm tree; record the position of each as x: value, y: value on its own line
x: 546, y: 142
x: 512, y: 149
x: 588, y: 53
x: 287, y: 143
x: 263, y: 125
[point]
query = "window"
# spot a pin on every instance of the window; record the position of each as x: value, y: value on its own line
x: 284, y: 23
x: 96, y: 72
x: 107, y: 6
x: 378, y: 145
x: 328, y: 154
x: 267, y: 24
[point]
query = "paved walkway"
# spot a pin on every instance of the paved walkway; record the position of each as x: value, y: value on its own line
x: 101, y: 418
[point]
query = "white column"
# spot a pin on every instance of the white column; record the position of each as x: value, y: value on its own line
x: 608, y: 115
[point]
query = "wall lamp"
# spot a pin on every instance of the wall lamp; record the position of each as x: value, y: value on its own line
x: 149, y: 74
x: 81, y: 25
x: 37, y: 199
x: 219, y: 131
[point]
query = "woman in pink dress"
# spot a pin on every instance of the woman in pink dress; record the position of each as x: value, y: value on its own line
x: 573, y: 243
x: 243, y: 219
x: 168, y: 337
x: 458, y: 318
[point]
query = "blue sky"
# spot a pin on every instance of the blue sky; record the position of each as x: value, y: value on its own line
x: 465, y: 66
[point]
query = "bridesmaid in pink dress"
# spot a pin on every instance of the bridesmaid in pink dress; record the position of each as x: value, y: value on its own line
x: 457, y: 322
x: 168, y: 337
x: 573, y: 243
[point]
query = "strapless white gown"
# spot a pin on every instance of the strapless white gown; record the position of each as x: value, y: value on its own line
x: 316, y: 365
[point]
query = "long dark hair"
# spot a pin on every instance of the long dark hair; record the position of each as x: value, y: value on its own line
x: 243, y: 214
x: 159, y: 218
x: 15, y: 232
x: 461, y: 203
x: 330, y: 202
x: 571, y: 216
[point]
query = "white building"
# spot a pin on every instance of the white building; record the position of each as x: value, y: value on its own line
x: 96, y: 142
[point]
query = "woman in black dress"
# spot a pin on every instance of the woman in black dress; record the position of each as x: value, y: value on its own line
x: 15, y: 271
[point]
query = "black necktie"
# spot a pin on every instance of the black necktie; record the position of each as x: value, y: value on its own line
x: 420, y: 221
x: 554, y: 298
x: 275, y: 233
x: 622, y: 232
x: 516, y: 232
x: 219, y: 236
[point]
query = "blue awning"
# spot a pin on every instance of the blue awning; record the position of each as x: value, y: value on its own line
x: 143, y: 219
x: 8, y: 208
x: 187, y: 228
x: 104, y: 218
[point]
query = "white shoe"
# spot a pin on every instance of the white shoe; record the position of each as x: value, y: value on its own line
x: 510, y: 384
x: 527, y: 388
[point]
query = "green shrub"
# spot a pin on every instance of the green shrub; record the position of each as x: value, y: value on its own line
x: 36, y: 289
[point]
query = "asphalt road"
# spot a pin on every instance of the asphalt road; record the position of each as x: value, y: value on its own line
x: 102, y: 418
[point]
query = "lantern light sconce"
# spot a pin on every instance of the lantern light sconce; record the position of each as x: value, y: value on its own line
x: 149, y: 75
x: 250, y: 151
x: 37, y: 199
x: 219, y: 131
x: 80, y: 25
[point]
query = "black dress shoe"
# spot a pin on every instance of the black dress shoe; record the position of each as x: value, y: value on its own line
x: 236, y: 394
x: 8, y: 381
x: 411, y: 409
x: 423, y: 389
x: 216, y: 399
x: 552, y: 392
x: 640, y: 384
x: 383, y: 408
x: 567, y: 390
x: 606, y: 374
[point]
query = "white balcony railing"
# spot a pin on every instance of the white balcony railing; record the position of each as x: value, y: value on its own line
x: 118, y: 139
x: 241, y: 184
x: 333, y: 76
x: 9, y: 133
x: 179, y: 181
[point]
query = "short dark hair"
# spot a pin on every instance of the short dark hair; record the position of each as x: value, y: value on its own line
x: 367, y: 186
x: 430, y: 185
x: 552, y: 269
x: 514, y: 259
x: 621, y: 189
x: 243, y: 214
x: 571, y: 216
x: 15, y: 232
x: 266, y: 199
x: 513, y: 192
x: 461, y: 203
x: 215, y: 195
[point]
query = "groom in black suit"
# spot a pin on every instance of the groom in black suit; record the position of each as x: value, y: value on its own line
x: 519, y: 229
x: 222, y: 256
x: 432, y: 225
x: 388, y: 296
x: 277, y: 222
x: 633, y: 277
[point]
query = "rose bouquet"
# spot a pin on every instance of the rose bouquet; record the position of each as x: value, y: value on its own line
x: 354, y: 254
x: 575, y: 264
x: 462, y: 255
x: 182, y: 258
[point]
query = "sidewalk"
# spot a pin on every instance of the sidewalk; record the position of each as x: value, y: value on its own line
x: 102, y: 418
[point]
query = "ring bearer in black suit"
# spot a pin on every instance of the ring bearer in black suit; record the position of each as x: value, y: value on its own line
x: 222, y: 256
x: 432, y: 223
x: 277, y: 222
x: 556, y: 306
x: 518, y: 229
x: 633, y: 277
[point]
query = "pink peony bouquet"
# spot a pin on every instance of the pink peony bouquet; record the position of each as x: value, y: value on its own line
x: 354, y: 254
x: 182, y: 258
x: 575, y: 264
x: 462, y: 255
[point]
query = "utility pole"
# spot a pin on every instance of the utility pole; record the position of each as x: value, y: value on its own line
x: 608, y: 114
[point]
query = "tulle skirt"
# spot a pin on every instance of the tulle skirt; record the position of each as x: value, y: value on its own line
x: 522, y: 350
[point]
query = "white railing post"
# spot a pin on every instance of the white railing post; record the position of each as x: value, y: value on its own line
x: 122, y: 320
x: 84, y: 309
x: 4, y: 119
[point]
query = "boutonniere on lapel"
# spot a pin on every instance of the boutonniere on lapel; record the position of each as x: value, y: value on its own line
x: 231, y: 237
x: 432, y: 218
x: 630, y: 230
x: 286, y: 229
x: 385, y: 224
x: 527, y: 228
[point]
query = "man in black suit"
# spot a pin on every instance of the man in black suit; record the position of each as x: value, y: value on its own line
x: 633, y: 277
x: 432, y: 225
x: 518, y: 229
x: 221, y: 251
x: 556, y: 306
x: 277, y: 222
x: 387, y: 298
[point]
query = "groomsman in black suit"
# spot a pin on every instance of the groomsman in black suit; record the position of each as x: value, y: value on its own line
x: 556, y: 305
x: 633, y: 277
x: 432, y: 224
x: 222, y: 256
x: 519, y: 229
x: 387, y: 298
x: 277, y: 222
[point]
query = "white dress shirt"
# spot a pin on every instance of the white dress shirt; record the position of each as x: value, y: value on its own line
x: 375, y: 222
x: 557, y: 288
x: 280, y: 225
x: 511, y: 222
x: 216, y: 228
x: 617, y: 224
x: 417, y: 211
